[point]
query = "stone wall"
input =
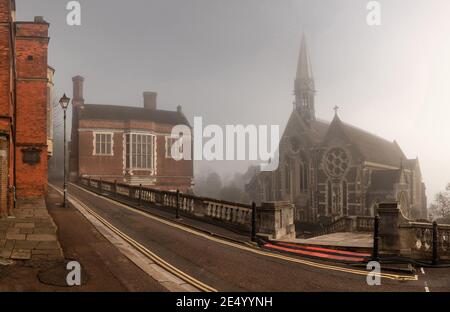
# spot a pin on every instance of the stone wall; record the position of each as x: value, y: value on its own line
x: 275, y: 220
x: 404, y: 237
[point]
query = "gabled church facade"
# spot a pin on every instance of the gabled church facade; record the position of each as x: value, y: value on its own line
x: 333, y: 170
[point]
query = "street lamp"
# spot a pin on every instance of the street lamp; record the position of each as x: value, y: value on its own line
x: 64, y: 102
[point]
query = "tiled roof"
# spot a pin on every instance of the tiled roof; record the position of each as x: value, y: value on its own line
x: 372, y: 147
x: 318, y: 130
x: 124, y: 113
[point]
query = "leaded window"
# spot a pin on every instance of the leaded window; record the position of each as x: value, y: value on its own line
x: 140, y: 151
x: 103, y: 143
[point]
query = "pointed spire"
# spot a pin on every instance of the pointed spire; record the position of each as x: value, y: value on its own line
x: 304, y: 88
x: 304, y: 69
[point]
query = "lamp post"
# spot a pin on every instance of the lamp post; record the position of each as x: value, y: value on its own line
x: 64, y: 102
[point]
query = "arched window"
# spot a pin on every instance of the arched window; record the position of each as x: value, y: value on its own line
x: 287, y: 177
x: 303, y: 177
x: 268, y: 191
x: 344, y: 198
x: 403, y: 201
x: 278, y: 185
x: 329, y: 197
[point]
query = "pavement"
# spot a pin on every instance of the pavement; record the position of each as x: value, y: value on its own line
x: 103, y: 266
x: 347, y: 240
x: 30, y: 234
x: 237, y: 267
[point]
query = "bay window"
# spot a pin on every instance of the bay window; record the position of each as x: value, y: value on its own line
x: 140, y: 151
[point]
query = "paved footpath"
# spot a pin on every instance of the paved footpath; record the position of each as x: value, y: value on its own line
x: 104, y: 267
x: 30, y: 234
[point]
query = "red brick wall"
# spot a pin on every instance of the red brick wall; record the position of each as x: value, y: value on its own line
x: 6, y: 108
x: 31, y: 59
x: 29, y: 98
x: 170, y: 174
x: 95, y: 165
x: 5, y: 64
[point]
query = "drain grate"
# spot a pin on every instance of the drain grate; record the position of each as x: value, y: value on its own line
x: 56, y: 275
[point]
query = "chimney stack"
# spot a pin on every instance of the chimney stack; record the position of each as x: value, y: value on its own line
x: 78, y: 99
x: 39, y: 19
x: 13, y: 10
x: 150, y: 100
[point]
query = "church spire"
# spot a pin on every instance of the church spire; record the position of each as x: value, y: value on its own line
x: 304, y: 88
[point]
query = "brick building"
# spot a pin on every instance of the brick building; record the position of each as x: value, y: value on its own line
x: 24, y: 96
x: 127, y: 144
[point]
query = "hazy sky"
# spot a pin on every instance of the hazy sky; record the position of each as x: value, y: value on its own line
x: 234, y: 61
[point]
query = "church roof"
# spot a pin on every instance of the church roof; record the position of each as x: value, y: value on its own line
x: 372, y: 147
x: 125, y: 113
x: 318, y: 130
x: 411, y: 163
x: 384, y: 179
x: 375, y: 148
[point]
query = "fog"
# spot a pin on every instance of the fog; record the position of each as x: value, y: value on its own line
x: 234, y: 62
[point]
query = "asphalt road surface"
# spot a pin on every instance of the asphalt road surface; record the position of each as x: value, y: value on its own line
x: 228, y: 268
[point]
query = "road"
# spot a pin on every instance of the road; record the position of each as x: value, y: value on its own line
x: 232, y: 268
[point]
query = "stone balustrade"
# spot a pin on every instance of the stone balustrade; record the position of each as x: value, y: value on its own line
x: 408, y: 238
x: 348, y: 224
x: 275, y: 219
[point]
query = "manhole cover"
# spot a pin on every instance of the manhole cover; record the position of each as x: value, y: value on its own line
x: 57, y: 275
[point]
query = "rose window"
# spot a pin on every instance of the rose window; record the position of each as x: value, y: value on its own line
x: 336, y: 162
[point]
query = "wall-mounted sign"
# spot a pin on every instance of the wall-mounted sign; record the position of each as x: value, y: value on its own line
x: 31, y: 155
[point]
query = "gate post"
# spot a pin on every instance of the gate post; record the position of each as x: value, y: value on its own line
x: 435, y: 244
x: 376, y: 238
x: 253, y: 222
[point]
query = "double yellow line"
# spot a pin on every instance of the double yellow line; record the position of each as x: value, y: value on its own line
x: 152, y: 256
x: 389, y: 276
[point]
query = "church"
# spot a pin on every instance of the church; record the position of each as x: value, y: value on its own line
x: 331, y: 170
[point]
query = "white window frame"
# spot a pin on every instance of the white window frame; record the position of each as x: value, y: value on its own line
x: 95, y: 152
x: 169, y: 143
x: 140, y: 154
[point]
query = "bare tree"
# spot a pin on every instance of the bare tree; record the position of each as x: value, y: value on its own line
x: 208, y: 185
x: 211, y: 185
x: 440, y: 208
